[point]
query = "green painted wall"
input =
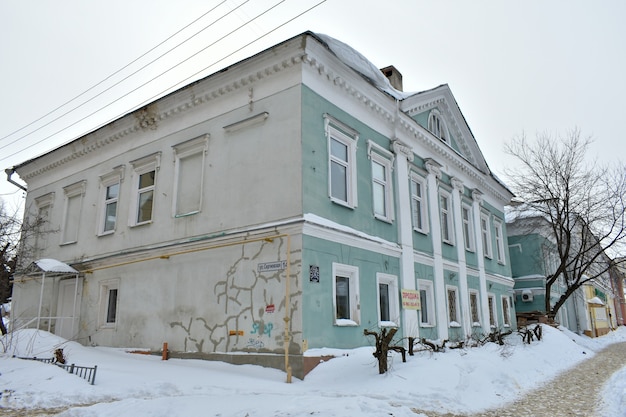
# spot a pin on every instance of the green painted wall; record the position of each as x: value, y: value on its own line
x: 318, y: 314
x: 315, y: 169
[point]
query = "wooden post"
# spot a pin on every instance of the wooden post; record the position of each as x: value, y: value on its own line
x: 164, y: 351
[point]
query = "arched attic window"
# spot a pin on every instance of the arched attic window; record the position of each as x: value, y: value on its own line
x: 437, y: 126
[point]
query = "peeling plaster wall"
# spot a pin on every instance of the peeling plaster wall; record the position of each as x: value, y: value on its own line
x: 208, y: 301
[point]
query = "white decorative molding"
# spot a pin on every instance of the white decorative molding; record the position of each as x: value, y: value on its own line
x: 245, y: 123
x: 433, y: 167
x: 457, y: 184
x: 92, y: 142
x: 402, y: 149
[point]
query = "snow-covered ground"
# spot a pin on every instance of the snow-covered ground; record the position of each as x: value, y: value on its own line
x: 134, y: 385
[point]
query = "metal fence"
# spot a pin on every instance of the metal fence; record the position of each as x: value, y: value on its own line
x: 84, y: 372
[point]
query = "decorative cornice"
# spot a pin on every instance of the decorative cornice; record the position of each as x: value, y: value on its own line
x: 182, y: 105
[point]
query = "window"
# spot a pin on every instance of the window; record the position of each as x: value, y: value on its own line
x: 418, y: 204
x: 506, y: 312
x: 73, y: 207
x: 388, y: 306
x: 468, y: 228
x: 42, y: 224
x: 427, y: 311
x: 453, y: 307
x: 381, y: 180
x: 446, y: 218
x: 145, y: 171
x: 492, y: 310
x: 189, y: 158
x: 497, y: 226
x: 345, y: 295
x: 110, y: 191
x: 486, y: 234
x: 109, y: 301
x: 342, y: 162
x: 474, y: 308
x: 110, y: 203
x: 437, y: 126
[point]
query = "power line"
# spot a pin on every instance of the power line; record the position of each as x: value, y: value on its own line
x: 171, y: 68
x: 117, y: 72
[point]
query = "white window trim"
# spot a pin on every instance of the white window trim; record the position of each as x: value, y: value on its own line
x: 498, y: 230
x: 457, y: 321
x: 349, y: 137
x: 443, y: 133
x: 449, y: 218
x: 106, y: 181
x: 383, y: 157
x: 487, y: 248
x: 142, y: 166
x: 105, y: 287
x: 184, y: 150
x: 492, y: 311
x: 506, y: 317
x: 352, y: 272
x: 71, y: 191
x: 422, y: 203
x: 428, y: 286
x: 394, y: 305
x: 471, y: 238
x: 477, y: 294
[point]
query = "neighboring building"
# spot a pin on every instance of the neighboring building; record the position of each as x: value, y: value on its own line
x: 534, y: 257
x: 287, y: 202
x: 618, y: 276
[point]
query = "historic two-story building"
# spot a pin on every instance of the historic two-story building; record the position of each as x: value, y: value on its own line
x: 284, y: 203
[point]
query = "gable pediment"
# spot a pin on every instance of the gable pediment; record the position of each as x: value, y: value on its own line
x: 451, y: 128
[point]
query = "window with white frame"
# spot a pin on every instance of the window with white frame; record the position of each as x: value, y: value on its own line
x: 342, y: 174
x: 189, y: 160
x: 506, y: 311
x: 109, y: 195
x: 388, y: 306
x: 427, y: 302
x: 447, y: 225
x: 418, y: 204
x: 144, y: 180
x: 346, y: 295
x: 381, y: 180
x: 109, y: 301
x: 437, y: 126
x: 73, y: 206
x: 468, y: 227
x: 491, y: 300
x: 454, y: 317
x: 474, y: 307
x: 497, y: 226
x: 485, y: 232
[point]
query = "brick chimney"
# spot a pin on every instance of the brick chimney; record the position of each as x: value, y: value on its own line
x: 394, y: 76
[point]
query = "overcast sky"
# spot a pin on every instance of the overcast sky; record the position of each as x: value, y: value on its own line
x: 514, y: 67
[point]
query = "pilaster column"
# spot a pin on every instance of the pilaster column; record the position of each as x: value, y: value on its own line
x: 466, y: 319
x: 404, y: 154
x: 477, y: 198
x: 434, y: 175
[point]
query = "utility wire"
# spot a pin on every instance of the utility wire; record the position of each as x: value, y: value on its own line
x: 117, y: 72
x: 180, y: 82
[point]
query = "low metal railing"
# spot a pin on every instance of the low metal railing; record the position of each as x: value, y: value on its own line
x: 85, y: 372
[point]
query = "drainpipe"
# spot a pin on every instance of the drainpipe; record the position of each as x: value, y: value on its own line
x: 9, y: 172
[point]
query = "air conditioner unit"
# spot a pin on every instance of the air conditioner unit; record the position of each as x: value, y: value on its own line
x: 527, y: 296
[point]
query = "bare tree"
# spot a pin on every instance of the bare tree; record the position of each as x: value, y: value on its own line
x: 9, y: 239
x: 581, y: 203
